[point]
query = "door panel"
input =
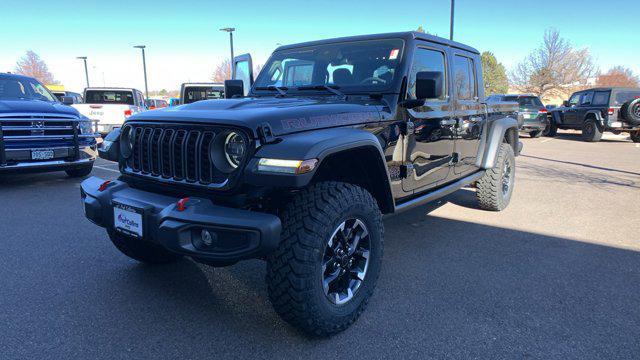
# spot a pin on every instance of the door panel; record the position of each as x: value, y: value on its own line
x: 470, y: 114
x: 429, y: 149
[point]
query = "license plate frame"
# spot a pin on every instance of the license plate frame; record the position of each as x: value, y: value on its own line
x: 128, y: 220
x: 42, y: 154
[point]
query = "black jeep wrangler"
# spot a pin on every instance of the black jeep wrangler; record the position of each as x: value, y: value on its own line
x: 595, y: 111
x: 332, y: 135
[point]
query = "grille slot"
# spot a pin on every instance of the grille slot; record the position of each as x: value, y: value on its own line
x: 178, y: 154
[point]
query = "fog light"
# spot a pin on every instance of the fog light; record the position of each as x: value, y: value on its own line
x: 207, y: 237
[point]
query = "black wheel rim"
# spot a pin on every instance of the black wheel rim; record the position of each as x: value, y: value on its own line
x: 507, y: 173
x: 345, y: 261
x: 588, y: 128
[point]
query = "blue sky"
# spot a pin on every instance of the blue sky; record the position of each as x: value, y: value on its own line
x: 184, y: 44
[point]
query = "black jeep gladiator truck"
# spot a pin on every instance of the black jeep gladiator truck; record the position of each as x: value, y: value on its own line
x: 595, y: 111
x: 332, y: 135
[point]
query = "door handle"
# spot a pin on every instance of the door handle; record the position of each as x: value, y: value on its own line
x: 448, y: 122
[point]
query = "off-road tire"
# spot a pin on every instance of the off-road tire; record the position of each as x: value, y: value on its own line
x: 294, y: 270
x: 630, y: 111
x: 535, y: 133
x: 140, y: 250
x: 490, y: 192
x: 79, y: 172
x: 635, y: 136
x: 591, y: 130
x: 551, y: 130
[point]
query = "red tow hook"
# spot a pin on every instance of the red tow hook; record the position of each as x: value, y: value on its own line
x: 182, y: 204
x: 104, y: 185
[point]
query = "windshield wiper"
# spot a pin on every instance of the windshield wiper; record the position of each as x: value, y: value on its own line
x: 282, y: 90
x: 330, y: 88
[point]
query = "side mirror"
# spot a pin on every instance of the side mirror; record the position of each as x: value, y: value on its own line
x: 243, y: 70
x: 110, y: 148
x: 233, y: 88
x: 566, y: 103
x: 429, y: 84
x: 67, y: 100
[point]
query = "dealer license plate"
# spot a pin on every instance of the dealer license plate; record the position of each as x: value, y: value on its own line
x: 42, y: 154
x: 127, y: 220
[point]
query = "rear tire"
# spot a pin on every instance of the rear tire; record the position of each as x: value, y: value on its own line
x: 79, y: 172
x: 635, y: 136
x: 496, y: 185
x: 535, y: 133
x: 591, y: 131
x: 140, y: 250
x: 309, y: 279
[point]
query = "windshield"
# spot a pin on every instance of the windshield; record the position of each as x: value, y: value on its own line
x: 623, y: 97
x: 197, y: 93
x: 358, y: 66
x: 109, y: 97
x: 24, y: 88
x: 525, y: 101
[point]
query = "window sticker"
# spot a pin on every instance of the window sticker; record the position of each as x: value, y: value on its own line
x: 394, y: 54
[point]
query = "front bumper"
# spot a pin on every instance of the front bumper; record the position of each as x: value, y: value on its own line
x: 19, y: 160
x: 237, y: 234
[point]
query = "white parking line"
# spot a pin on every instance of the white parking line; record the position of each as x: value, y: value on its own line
x: 546, y: 140
x: 106, y: 168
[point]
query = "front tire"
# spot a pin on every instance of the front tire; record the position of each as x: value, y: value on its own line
x: 635, y: 136
x: 141, y: 250
x: 591, y: 131
x: 551, y: 129
x: 79, y: 172
x: 496, y: 185
x: 325, y: 270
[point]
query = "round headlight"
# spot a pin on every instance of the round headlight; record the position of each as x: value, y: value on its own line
x: 126, y: 141
x: 234, y: 149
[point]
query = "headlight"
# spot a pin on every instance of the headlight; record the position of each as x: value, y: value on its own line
x: 234, y: 149
x: 86, y: 128
x: 227, y: 151
x: 126, y: 141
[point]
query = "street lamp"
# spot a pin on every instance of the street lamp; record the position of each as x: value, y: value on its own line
x: 86, y: 72
x: 453, y: 5
x: 230, y: 31
x: 144, y: 67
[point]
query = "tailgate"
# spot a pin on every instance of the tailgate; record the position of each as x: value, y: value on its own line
x: 105, y: 114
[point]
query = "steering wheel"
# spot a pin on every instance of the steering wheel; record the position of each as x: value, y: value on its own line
x: 372, y: 79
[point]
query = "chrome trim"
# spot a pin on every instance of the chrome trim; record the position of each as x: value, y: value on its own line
x: 43, y: 164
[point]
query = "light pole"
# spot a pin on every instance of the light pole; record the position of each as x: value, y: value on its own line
x: 144, y: 67
x: 86, y: 71
x: 453, y: 6
x: 230, y: 31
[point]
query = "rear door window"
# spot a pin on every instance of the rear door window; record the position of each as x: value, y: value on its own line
x: 464, y: 77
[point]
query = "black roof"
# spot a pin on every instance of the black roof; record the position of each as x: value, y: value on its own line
x: 612, y: 88
x: 407, y: 35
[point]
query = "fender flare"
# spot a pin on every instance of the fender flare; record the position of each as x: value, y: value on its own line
x: 317, y: 144
x: 597, y: 115
x: 490, y: 144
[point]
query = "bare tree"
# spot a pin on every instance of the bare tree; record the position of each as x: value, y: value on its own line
x: 618, y: 76
x: 555, y: 69
x: 32, y: 65
x: 222, y: 71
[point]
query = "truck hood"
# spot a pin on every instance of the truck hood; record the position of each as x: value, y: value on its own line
x: 35, y: 106
x: 283, y: 115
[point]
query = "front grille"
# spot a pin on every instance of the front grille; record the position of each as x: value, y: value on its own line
x: 176, y: 153
x: 19, y: 129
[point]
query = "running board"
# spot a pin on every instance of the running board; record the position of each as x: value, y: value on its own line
x: 436, y: 194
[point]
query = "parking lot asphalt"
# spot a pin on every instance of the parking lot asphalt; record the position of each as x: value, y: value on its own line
x: 554, y: 276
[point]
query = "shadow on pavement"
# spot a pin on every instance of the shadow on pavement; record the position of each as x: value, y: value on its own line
x: 583, y: 165
x: 448, y: 289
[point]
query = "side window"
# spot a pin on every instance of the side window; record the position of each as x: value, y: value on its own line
x: 464, y: 77
x: 575, y: 99
x: 587, y: 98
x: 601, y: 98
x: 427, y: 60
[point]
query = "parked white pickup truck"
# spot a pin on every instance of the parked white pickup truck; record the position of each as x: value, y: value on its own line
x: 111, y: 106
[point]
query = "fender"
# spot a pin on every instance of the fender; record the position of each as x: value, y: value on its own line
x: 318, y: 144
x: 597, y: 115
x: 490, y: 143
